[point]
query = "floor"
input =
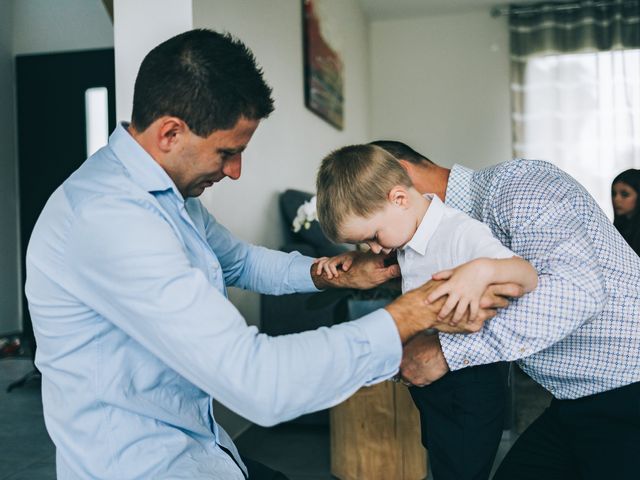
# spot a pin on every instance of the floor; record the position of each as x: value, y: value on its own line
x: 299, y: 451
x: 26, y: 452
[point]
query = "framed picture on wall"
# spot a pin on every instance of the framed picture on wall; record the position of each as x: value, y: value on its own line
x: 323, y: 67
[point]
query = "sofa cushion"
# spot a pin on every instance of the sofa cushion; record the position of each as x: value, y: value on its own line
x: 290, y: 201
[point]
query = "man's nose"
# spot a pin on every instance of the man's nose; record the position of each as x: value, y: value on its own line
x: 233, y: 167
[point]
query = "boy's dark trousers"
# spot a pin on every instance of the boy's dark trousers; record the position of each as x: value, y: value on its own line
x: 588, y: 438
x: 462, y: 419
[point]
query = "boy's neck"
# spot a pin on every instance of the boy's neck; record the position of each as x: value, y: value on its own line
x: 420, y: 206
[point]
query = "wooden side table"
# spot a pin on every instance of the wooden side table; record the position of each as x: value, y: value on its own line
x: 375, y: 434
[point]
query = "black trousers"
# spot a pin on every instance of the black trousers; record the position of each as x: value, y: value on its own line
x: 259, y: 471
x: 256, y: 470
x: 462, y: 418
x: 593, y: 437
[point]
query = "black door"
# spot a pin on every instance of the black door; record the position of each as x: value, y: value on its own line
x: 52, y: 130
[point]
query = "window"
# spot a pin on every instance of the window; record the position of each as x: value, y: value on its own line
x: 582, y: 112
x: 97, y: 118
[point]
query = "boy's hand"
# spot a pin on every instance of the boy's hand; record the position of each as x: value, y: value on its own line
x: 331, y: 266
x: 465, y: 286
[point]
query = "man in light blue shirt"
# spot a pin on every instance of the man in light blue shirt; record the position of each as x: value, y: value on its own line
x: 126, y: 282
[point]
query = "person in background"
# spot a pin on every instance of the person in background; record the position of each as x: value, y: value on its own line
x: 624, y: 197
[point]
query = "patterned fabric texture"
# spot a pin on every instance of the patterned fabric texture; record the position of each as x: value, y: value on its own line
x: 578, y: 333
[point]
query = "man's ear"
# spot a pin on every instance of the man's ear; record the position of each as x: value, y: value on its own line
x: 399, y: 195
x: 408, y: 166
x: 170, y: 132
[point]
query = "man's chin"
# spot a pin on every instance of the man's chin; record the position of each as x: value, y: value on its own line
x: 197, y: 191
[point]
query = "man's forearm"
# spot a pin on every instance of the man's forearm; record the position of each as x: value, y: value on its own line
x: 407, y: 324
x: 536, y: 322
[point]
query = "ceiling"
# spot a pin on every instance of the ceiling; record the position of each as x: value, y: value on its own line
x: 387, y: 9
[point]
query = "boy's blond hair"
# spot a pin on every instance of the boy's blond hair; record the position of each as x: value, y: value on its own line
x: 355, y: 180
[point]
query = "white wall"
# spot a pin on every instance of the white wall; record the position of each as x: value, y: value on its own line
x: 441, y: 84
x: 60, y: 25
x: 32, y: 26
x: 9, y: 292
x: 287, y: 148
x: 134, y: 36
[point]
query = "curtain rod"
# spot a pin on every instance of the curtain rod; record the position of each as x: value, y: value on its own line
x: 506, y: 10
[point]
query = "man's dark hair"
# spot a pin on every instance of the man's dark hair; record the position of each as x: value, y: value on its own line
x: 207, y: 79
x: 401, y: 151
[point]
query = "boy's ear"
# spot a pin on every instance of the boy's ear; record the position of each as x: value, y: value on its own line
x: 399, y: 196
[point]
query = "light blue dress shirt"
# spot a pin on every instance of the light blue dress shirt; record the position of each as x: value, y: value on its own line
x: 578, y: 332
x: 126, y: 288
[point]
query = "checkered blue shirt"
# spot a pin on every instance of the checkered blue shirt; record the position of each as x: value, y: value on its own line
x: 578, y: 333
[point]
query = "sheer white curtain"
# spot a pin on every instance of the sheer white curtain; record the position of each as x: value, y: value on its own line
x: 575, y: 88
x: 582, y: 112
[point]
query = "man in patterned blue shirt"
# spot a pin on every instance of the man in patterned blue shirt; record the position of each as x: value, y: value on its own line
x: 577, y: 334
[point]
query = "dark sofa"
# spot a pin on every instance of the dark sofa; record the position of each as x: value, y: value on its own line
x: 285, y: 314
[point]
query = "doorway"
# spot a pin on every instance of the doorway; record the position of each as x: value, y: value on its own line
x: 63, y: 101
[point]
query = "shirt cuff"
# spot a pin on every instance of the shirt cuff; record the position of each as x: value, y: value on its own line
x: 385, y: 344
x: 300, y: 274
x: 461, y: 350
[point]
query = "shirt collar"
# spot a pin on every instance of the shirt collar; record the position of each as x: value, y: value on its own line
x: 459, y: 188
x: 142, y: 168
x: 428, y: 225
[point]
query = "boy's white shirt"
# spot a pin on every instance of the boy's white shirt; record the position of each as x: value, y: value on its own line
x: 445, y: 238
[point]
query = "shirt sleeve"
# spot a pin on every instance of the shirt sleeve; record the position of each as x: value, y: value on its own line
x: 545, y: 223
x: 256, y: 268
x: 128, y: 265
x: 475, y: 240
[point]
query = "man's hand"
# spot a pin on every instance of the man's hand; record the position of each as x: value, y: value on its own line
x: 496, y: 295
x: 423, y: 361
x: 413, y: 313
x: 367, y: 270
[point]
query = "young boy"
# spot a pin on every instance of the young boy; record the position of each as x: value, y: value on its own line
x: 365, y: 196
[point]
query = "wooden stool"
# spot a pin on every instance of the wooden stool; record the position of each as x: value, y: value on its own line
x: 375, y: 434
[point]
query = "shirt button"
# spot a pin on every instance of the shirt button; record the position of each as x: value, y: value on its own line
x: 466, y: 361
x: 522, y: 350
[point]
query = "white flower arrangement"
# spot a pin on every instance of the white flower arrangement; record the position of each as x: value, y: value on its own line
x: 305, y: 215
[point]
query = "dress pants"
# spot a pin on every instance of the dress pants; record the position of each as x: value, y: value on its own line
x: 594, y: 437
x: 259, y: 471
x: 462, y: 418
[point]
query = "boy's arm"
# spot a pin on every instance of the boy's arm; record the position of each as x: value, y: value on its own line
x: 482, y: 261
x: 509, y: 270
x: 465, y: 285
